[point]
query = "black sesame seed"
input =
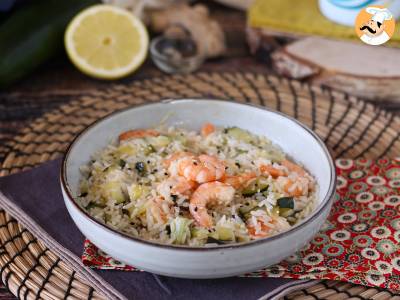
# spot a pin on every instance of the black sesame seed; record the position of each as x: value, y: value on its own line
x: 195, y: 209
x: 166, y: 174
x: 122, y: 163
x: 168, y: 229
x: 195, y: 163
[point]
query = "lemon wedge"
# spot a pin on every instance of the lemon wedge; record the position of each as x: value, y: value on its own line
x: 106, y: 42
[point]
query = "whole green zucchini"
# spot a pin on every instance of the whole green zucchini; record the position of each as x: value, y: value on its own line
x: 33, y: 34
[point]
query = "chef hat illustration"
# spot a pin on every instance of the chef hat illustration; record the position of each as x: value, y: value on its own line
x: 379, y: 14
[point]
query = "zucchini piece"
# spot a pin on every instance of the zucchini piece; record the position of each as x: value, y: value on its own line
x: 240, y: 151
x: 254, y: 188
x: 249, y: 206
x: 107, y: 218
x: 225, y: 234
x: 211, y: 240
x: 214, y: 235
x: 285, y: 212
x: 244, y: 211
x: 137, y: 210
x: 33, y: 34
x: 113, y: 190
x: 243, y: 238
x: 240, y: 134
x: 199, y: 233
x: 83, y: 187
x: 135, y: 191
x: 180, y: 231
x: 275, y: 211
x: 159, y: 141
x: 94, y: 204
x: 148, y: 149
x: 286, y: 202
x: 180, y: 138
x: 272, y: 154
x: 126, y: 150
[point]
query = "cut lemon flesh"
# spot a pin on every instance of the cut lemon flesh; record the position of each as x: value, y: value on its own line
x: 106, y: 42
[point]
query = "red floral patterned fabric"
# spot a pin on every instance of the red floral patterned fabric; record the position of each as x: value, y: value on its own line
x: 359, y: 243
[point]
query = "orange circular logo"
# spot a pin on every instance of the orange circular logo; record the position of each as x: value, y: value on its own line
x: 375, y: 25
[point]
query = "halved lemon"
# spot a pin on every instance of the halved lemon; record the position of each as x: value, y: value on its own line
x: 106, y: 42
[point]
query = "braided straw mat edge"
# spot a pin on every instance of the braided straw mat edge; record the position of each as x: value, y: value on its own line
x: 350, y: 127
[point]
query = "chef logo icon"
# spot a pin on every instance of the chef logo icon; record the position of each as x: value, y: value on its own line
x: 375, y: 25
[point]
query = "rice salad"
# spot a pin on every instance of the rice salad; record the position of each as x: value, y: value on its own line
x: 217, y: 186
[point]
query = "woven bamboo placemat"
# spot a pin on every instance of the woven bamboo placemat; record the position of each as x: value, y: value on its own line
x: 350, y: 127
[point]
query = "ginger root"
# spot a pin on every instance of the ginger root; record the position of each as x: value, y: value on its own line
x: 141, y: 8
x: 206, y: 32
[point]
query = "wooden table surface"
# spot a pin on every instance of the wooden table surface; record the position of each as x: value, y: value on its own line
x: 24, y: 101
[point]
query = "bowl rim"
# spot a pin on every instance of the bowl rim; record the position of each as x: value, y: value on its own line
x: 328, y: 199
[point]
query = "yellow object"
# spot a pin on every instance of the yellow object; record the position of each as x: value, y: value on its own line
x: 106, y: 42
x: 300, y: 17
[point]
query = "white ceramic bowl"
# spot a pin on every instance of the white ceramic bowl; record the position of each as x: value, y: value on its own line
x: 220, y: 261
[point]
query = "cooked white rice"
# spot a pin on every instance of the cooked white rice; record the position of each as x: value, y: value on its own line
x: 124, y: 186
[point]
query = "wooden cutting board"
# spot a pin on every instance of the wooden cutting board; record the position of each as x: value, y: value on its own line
x: 371, y: 72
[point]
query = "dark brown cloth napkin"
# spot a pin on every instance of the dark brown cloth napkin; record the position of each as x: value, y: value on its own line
x: 34, y: 199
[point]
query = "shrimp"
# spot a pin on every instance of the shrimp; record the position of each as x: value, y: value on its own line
x: 238, y: 181
x: 266, y: 227
x: 178, y: 155
x: 293, y: 187
x: 270, y: 170
x: 204, y: 168
x: 293, y: 167
x: 156, y: 210
x: 207, y: 129
x: 176, y: 185
x: 263, y: 232
x: 307, y: 181
x: 259, y: 224
x: 137, y: 133
x: 210, y: 193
